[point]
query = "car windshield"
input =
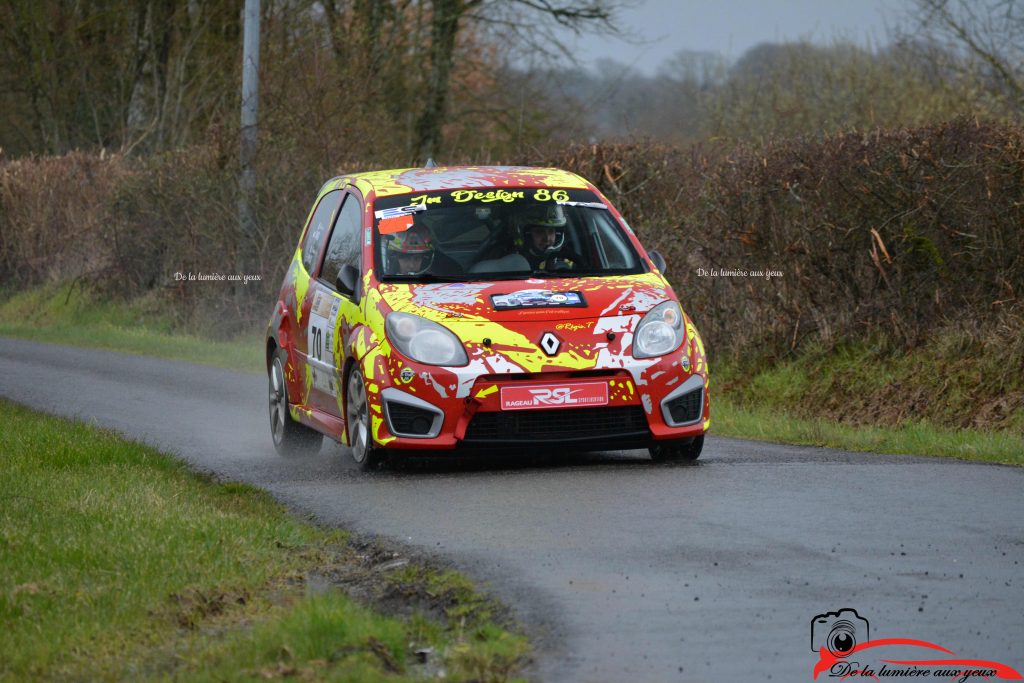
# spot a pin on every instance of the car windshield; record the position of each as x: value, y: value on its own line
x: 499, y: 233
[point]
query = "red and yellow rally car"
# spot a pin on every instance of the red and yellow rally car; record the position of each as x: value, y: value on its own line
x: 480, y: 307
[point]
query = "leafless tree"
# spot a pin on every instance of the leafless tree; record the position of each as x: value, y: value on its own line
x: 535, y: 23
x: 989, y: 34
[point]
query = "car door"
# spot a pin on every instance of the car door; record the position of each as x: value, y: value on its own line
x: 313, y: 243
x: 333, y: 314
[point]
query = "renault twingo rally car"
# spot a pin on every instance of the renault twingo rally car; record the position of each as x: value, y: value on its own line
x: 477, y: 308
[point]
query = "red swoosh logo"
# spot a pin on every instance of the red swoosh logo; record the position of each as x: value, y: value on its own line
x: 827, y: 660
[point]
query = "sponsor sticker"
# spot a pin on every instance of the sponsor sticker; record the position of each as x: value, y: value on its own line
x: 554, y: 396
x: 537, y: 298
x: 398, y: 211
x: 321, y: 304
x: 589, y: 205
x: 397, y: 219
x: 389, y: 226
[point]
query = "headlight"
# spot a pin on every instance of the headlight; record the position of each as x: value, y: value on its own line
x: 660, y: 331
x: 425, y: 341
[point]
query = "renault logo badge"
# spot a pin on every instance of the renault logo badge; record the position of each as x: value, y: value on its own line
x: 550, y: 343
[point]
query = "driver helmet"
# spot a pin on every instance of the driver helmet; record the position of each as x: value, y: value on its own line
x: 410, y: 252
x: 543, y: 217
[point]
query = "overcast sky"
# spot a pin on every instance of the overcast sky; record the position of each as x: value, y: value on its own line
x: 660, y: 28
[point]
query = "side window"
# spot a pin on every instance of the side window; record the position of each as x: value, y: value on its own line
x: 344, y: 244
x: 612, y: 247
x: 319, y: 226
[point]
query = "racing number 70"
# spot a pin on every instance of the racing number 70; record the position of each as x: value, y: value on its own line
x: 318, y: 343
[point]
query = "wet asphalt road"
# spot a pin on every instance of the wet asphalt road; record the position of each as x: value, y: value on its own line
x: 623, y: 570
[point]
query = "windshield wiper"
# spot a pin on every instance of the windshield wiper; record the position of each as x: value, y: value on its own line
x: 565, y: 272
x: 424, y: 277
x: 580, y: 273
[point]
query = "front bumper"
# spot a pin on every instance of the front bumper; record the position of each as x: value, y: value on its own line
x: 415, y: 415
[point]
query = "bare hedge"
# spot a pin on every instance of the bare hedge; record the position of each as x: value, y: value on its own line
x: 53, y: 213
x: 127, y: 225
x: 887, y: 233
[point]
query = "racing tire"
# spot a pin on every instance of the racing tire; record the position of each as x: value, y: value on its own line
x: 291, y: 438
x: 360, y: 434
x: 682, y: 450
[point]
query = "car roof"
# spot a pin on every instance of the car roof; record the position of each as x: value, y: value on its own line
x: 407, y: 180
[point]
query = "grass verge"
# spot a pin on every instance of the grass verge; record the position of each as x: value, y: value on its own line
x: 118, y: 563
x: 961, y: 395
x: 71, y: 315
x: 913, y: 438
x: 766, y: 406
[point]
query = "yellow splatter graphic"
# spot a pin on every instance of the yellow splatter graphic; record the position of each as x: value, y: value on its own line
x: 484, y: 393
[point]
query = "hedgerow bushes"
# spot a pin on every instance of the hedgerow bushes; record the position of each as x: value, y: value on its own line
x: 126, y: 226
x: 885, y: 234
x: 53, y: 213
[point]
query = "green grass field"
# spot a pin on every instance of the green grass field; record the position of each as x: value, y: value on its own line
x: 917, y: 438
x: 118, y: 563
x: 64, y: 315
x: 55, y: 316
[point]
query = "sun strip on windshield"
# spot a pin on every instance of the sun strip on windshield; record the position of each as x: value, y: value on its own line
x: 400, y: 218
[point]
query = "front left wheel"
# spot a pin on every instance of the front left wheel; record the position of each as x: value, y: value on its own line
x: 290, y: 438
x: 357, y: 412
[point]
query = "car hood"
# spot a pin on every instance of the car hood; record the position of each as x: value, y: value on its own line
x: 532, y: 300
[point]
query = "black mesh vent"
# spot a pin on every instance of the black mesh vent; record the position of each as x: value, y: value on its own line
x: 409, y: 420
x: 566, y: 424
x: 688, y: 407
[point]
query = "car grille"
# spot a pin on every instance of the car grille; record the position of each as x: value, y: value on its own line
x: 688, y: 407
x: 558, y: 425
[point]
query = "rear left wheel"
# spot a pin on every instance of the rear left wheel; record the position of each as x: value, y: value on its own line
x: 290, y: 438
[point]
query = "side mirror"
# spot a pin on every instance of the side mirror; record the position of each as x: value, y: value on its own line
x: 347, y: 280
x: 658, y: 259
